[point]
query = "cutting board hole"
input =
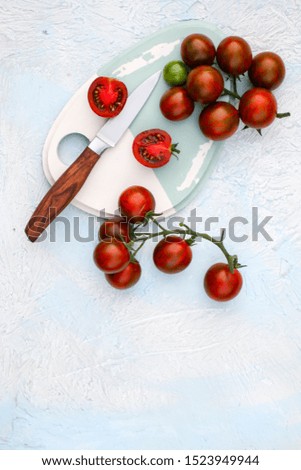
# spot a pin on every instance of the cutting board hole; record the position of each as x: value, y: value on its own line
x: 71, y: 146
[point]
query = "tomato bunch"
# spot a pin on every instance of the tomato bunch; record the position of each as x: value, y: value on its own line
x: 119, y: 242
x: 205, y: 84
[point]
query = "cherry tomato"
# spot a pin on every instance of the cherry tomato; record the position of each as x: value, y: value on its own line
x: 219, y: 120
x: 135, y: 202
x: 257, y: 108
x: 176, y: 104
x: 234, y: 55
x: 107, y: 96
x: 153, y: 148
x: 220, y: 284
x: 111, y: 255
x: 267, y: 70
x: 197, y: 49
x: 117, y: 227
x: 175, y: 73
x: 126, y: 278
x: 172, y: 254
x: 205, y: 84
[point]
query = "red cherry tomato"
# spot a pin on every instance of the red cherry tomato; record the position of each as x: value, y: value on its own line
x: 176, y: 104
x: 153, y: 148
x: 220, y: 284
x: 172, y: 255
x: 135, y: 202
x: 117, y: 227
x: 197, y: 49
x: 219, y: 120
x: 267, y: 70
x: 111, y: 255
x: 234, y: 55
x: 205, y: 84
x: 257, y: 108
x: 107, y: 96
x: 126, y: 278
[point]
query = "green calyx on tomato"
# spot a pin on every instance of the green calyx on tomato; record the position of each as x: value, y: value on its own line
x: 107, y: 96
x: 153, y: 148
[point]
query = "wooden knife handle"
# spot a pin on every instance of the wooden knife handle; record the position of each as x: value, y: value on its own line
x: 61, y: 193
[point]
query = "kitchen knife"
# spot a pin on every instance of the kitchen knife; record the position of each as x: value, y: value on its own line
x: 71, y: 181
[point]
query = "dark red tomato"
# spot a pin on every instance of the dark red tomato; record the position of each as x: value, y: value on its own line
x: 267, y: 70
x: 135, y: 202
x: 107, y: 96
x: 257, y: 108
x: 220, y: 284
x: 172, y: 255
x: 219, y: 120
x: 205, y: 84
x: 197, y: 49
x: 176, y: 104
x: 153, y: 148
x: 126, y: 278
x: 234, y: 55
x: 117, y: 227
x: 111, y: 255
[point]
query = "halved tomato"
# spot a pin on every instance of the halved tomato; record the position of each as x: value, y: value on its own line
x: 153, y: 148
x: 107, y: 96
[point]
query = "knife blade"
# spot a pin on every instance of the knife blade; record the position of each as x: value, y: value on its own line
x: 72, y: 180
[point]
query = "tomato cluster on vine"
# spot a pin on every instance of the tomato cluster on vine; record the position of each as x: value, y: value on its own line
x: 205, y: 84
x: 119, y: 242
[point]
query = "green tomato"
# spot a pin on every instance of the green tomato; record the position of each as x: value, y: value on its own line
x: 175, y: 73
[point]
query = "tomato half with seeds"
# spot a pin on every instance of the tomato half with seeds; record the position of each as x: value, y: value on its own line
x: 267, y: 70
x: 218, y: 121
x: 257, y: 108
x: 111, y: 256
x: 197, y: 49
x: 153, y: 148
x: 126, y: 278
x: 205, y: 84
x: 222, y: 285
x: 116, y: 227
x: 176, y: 104
x: 135, y: 202
x: 107, y: 96
x: 172, y: 254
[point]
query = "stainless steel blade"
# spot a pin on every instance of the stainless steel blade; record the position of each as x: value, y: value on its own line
x: 110, y: 133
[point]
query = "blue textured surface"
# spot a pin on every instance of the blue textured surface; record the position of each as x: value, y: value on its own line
x: 161, y: 366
